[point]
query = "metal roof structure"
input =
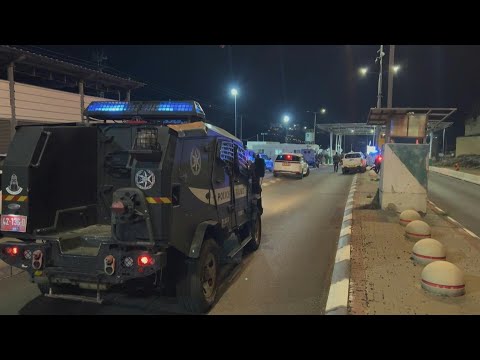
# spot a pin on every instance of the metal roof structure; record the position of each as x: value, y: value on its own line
x: 347, y: 128
x: 436, y: 116
x: 32, y: 61
x: 378, y: 117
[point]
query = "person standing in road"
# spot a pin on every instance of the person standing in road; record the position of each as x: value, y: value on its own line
x: 336, y: 160
x: 259, y: 167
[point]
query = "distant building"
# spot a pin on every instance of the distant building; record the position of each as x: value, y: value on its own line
x: 470, y: 143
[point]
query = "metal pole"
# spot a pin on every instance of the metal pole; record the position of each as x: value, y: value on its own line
x: 241, y: 127
x: 431, y: 143
x: 391, y: 63
x: 379, y: 90
x: 257, y: 137
x: 443, y: 142
x: 82, y: 98
x: 331, y: 144
x: 314, y: 127
x: 235, y: 115
x: 128, y: 95
x: 11, y: 80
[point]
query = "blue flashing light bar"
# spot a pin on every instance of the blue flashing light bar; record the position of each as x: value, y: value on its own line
x: 144, y: 109
x: 175, y: 106
x: 109, y: 106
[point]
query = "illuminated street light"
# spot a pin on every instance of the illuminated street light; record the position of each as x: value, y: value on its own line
x: 395, y: 68
x: 234, y: 92
x: 363, y: 71
x: 286, y: 119
x: 323, y: 111
x: 304, y: 128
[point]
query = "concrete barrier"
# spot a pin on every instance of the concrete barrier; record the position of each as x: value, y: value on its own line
x: 475, y: 179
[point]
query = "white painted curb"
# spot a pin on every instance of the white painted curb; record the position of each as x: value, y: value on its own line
x: 475, y: 179
x: 337, y: 302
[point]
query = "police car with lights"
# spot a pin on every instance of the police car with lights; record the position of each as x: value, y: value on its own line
x: 291, y: 164
x: 143, y: 196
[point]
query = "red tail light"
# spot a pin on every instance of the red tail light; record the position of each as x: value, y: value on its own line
x: 11, y: 250
x: 145, y: 260
x: 380, y: 158
x: 288, y: 157
x: 118, y: 208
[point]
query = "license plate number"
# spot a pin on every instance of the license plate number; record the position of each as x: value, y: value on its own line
x: 16, y: 223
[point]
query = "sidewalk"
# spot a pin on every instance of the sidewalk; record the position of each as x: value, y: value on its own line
x: 469, y: 175
x: 384, y: 280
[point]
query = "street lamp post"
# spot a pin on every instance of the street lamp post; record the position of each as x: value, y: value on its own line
x: 286, y: 119
x: 234, y: 92
x: 322, y: 111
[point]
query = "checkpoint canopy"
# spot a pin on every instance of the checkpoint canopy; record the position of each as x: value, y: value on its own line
x: 410, y: 122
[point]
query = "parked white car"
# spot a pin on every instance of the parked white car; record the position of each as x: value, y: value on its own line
x: 291, y: 164
x: 353, y: 162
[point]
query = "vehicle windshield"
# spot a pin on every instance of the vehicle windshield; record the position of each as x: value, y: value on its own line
x: 352, y: 156
x: 288, y: 158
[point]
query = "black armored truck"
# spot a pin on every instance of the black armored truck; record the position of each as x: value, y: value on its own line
x: 140, y: 195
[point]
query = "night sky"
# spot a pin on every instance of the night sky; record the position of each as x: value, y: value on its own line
x: 278, y: 79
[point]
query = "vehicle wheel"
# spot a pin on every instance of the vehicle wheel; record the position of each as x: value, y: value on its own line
x: 343, y: 171
x: 275, y: 174
x: 256, y: 233
x: 364, y: 169
x: 308, y: 172
x: 196, y: 291
x: 300, y: 177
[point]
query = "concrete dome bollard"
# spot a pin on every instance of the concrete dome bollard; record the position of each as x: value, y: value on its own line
x: 417, y: 230
x: 443, y: 278
x: 428, y: 250
x: 408, y: 216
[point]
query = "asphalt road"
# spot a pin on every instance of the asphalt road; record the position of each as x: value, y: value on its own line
x: 289, y: 274
x: 458, y: 198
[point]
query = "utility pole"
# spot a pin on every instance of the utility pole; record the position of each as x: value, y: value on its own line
x: 391, y: 63
x: 379, y: 90
x: 314, y: 128
x: 241, y: 127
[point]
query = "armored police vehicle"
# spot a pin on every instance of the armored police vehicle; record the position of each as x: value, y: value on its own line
x: 142, y: 195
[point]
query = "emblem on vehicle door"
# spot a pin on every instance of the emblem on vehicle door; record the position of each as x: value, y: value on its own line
x: 145, y: 179
x: 195, y: 161
x: 14, y: 188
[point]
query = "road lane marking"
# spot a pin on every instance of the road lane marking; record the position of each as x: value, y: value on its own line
x: 471, y: 233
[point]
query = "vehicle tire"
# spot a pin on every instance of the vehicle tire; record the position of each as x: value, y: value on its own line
x: 196, y: 291
x: 275, y: 174
x: 364, y: 169
x: 308, y: 172
x: 344, y: 171
x: 300, y: 177
x: 256, y: 232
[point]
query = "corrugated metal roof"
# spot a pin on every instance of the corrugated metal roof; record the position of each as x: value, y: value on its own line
x: 10, y: 53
